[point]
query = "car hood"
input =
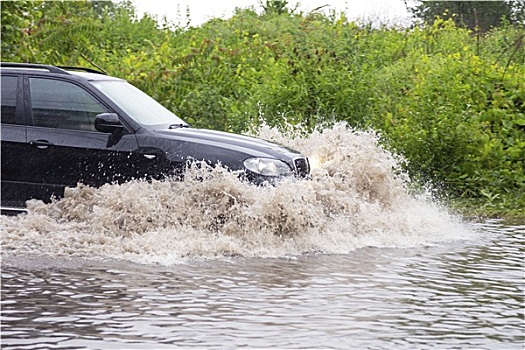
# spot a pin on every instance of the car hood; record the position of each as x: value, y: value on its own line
x: 201, y: 143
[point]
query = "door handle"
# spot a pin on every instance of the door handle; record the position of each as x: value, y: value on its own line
x: 40, y: 144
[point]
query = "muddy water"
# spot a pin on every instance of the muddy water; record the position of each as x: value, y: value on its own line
x: 347, y: 259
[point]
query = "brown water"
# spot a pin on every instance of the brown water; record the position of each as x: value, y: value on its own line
x: 346, y: 260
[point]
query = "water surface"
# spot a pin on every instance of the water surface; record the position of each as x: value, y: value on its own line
x: 452, y: 296
x: 350, y: 259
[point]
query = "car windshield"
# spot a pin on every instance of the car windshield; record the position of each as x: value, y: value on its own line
x: 138, y: 105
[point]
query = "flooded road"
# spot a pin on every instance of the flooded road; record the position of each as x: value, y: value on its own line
x: 349, y: 259
x: 459, y: 295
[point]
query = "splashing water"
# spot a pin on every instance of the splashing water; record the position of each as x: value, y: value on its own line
x: 354, y: 199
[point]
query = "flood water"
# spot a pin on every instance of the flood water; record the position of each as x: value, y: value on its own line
x: 347, y: 260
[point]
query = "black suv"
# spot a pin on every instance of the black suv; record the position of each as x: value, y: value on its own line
x: 63, y: 126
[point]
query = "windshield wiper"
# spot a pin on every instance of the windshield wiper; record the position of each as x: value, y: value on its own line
x: 177, y: 126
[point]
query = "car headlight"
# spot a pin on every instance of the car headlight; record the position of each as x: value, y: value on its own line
x: 267, y: 166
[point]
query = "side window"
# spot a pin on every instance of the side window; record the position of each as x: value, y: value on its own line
x: 9, y: 89
x: 60, y: 104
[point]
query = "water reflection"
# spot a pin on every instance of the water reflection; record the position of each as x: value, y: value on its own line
x: 467, y: 295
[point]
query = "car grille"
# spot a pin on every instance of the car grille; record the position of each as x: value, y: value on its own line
x: 302, y: 168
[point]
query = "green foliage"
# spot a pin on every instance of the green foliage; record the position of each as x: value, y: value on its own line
x: 474, y: 15
x: 275, y: 6
x: 17, y: 22
x: 450, y: 100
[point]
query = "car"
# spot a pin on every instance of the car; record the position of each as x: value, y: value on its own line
x: 61, y: 126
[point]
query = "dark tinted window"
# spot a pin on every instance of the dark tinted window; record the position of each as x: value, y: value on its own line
x: 60, y: 104
x: 9, y: 85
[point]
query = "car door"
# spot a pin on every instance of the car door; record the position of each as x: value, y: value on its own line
x: 64, y: 146
x: 13, y: 136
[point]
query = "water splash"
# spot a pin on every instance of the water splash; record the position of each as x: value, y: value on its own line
x: 355, y: 198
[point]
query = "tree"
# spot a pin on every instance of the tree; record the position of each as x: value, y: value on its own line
x: 275, y: 6
x: 474, y: 15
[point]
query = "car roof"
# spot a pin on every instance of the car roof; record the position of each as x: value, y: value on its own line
x: 93, y: 76
x: 86, y: 73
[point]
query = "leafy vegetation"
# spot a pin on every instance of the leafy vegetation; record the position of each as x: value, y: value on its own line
x: 452, y: 101
x: 474, y: 15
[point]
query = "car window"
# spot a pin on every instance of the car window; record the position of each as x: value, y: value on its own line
x: 9, y: 88
x: 137, y: 104
x: 61, y: 104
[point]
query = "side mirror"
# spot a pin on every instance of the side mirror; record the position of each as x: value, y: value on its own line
x: 108, y: 122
